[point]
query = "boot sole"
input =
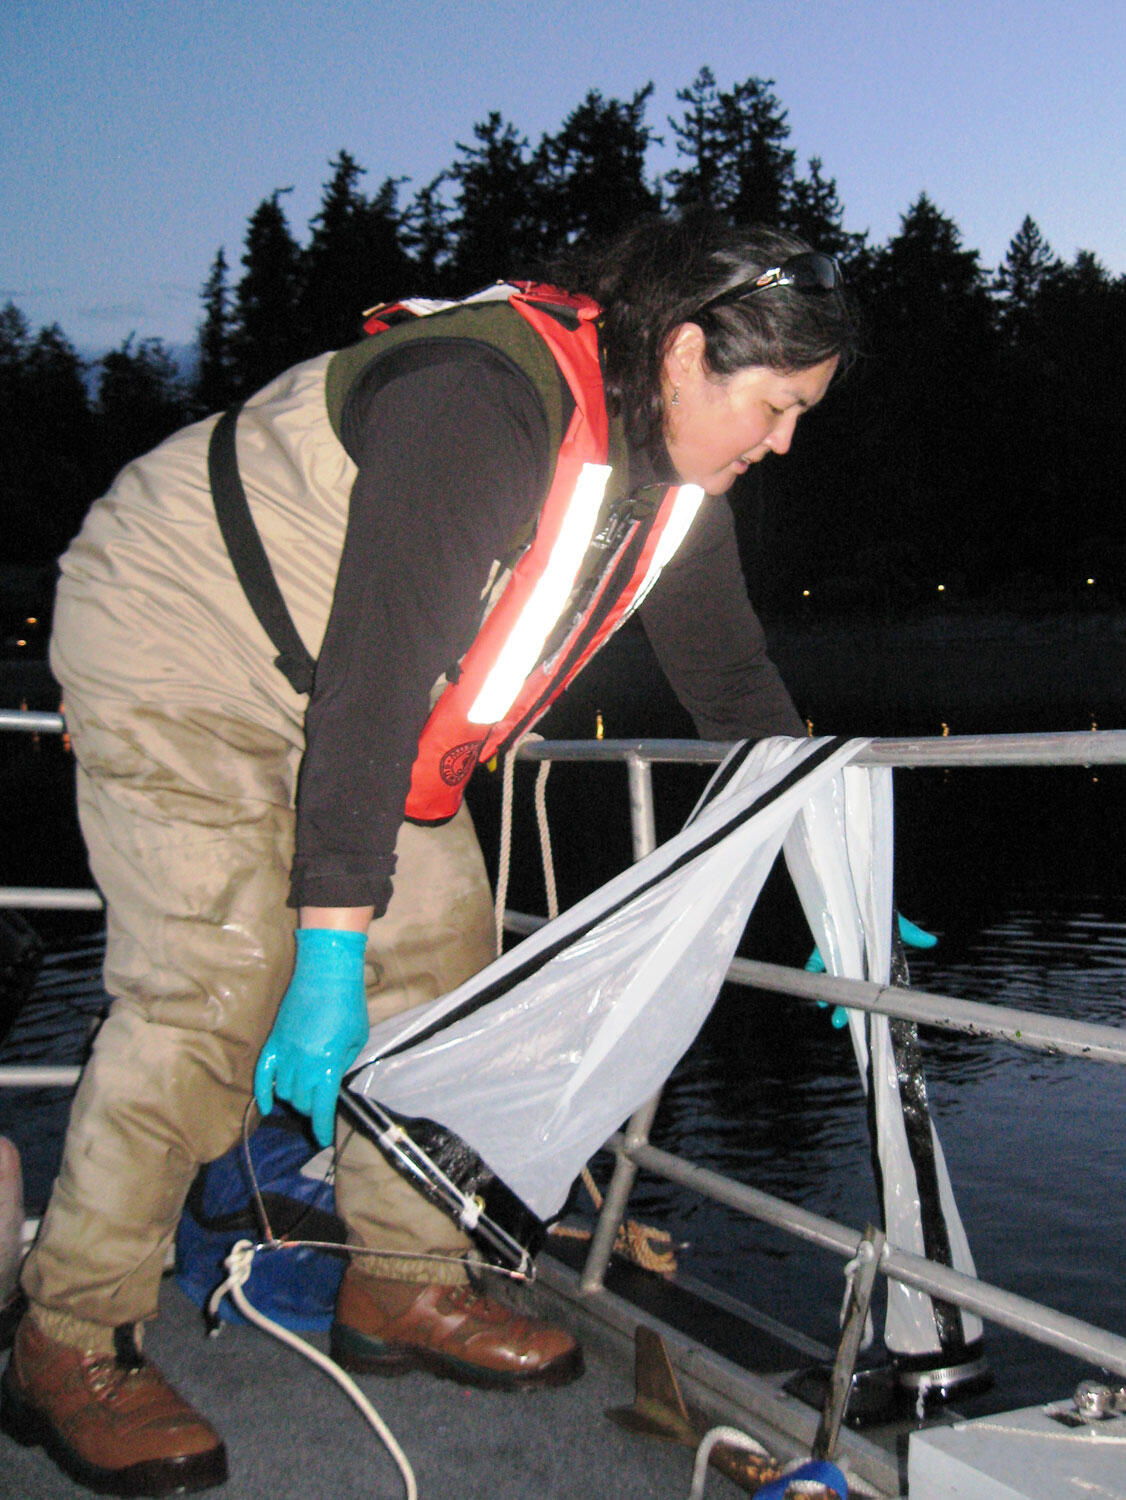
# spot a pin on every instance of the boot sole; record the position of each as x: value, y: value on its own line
x: 32, y: 1428
x: 363, y: 1355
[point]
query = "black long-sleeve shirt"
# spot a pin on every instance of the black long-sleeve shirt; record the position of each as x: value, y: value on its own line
x: 453, y: 459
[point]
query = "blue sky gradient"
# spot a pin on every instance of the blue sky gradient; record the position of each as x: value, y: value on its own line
x: 137, y: 136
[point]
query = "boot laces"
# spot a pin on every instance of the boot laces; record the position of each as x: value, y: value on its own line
x: 475, y: 1305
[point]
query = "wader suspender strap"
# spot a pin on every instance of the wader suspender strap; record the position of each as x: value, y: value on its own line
x: 248, y: 556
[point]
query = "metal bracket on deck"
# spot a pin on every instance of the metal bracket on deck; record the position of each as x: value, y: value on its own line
x: 659, y: 1410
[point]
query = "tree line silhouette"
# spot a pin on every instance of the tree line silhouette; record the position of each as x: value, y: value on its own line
x: 977, y: 446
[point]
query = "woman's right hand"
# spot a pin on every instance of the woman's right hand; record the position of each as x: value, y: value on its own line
x: 321, y: 1026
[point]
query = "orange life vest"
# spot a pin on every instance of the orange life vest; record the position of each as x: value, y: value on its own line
x: 583, y: 573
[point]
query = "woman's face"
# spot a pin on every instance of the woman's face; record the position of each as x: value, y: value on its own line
x: 719, y: 425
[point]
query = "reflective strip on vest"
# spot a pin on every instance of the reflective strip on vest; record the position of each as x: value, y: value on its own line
x: 689, y: 498
x: 544, y: 606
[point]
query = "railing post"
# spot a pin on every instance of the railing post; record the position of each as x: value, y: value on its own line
x: 642, y: 822
x: 643, y: 826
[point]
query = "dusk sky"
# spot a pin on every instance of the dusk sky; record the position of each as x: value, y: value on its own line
x: 137, y: 136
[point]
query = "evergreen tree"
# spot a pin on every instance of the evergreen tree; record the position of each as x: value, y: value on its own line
x: 141, y: 400
x: 761, y: 166
x: 593, y: 171
x: 59, y: 434
x: 267, y: 335
x: 427, y: 238
x: 17, y: 460
x: 498, y: 210
x: 1064, y: 371
x: 734, y: 141
x: 1029, y: 265
x: 14, y: 341
x: 926, y: 269
x: 13, y: 350
x: 814, y: 211
x: 215, y: 386
x: 355, y: 257
x: 54, y: 383
x: 1087, y: 274
x: 699, y: 138
x: 931, y: 393
x: 47, y: 479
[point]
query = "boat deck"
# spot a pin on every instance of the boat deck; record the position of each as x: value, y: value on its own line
x: 290, y: 1431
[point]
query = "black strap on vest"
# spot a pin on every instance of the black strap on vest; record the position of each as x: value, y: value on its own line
x: 248, y: 556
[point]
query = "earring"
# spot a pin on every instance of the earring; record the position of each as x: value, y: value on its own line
x: 676, y: 395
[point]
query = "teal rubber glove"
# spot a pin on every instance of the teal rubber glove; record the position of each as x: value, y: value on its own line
x: 912, y: 936
x: 321, y: 1026
x: 915, y: 937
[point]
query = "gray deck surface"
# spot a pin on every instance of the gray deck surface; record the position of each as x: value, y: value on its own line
x: 291, y: 1432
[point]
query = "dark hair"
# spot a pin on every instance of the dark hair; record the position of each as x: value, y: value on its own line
x: 661, y: 272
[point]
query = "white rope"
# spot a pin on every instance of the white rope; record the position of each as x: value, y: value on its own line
x: 504, y: 858
x: 735, y: 1439
x: 864, y: 1253
x: 545, y: 839
x: 239, y: 1263
x: 795, y: 1483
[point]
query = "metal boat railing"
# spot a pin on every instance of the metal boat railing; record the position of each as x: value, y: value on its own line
x: 1057, y: 1035
x: 632, y: 1148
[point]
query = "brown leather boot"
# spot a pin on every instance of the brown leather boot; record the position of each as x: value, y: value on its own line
x: 112, y: 1422
x: 386, y: 1327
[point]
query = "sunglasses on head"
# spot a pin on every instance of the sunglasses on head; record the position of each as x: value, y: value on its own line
x: 808, y: 272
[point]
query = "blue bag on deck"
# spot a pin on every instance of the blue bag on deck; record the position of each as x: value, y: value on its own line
x: 296, y: 1288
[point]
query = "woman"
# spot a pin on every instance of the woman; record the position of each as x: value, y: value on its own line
x: 457, y: 512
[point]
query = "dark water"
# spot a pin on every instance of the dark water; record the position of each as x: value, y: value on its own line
x: 1021, y: 874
